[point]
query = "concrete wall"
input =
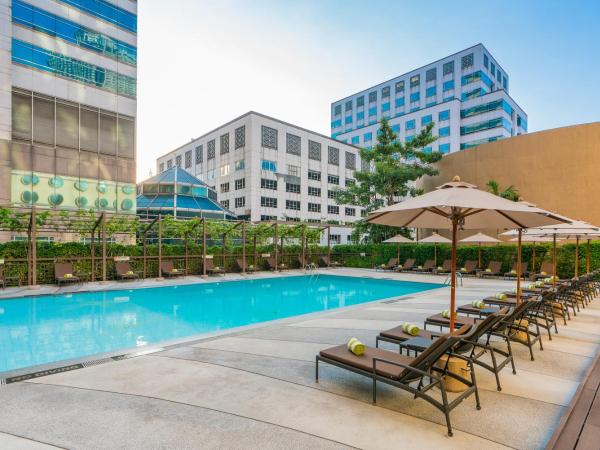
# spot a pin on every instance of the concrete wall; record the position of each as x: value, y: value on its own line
x: 555, y: 169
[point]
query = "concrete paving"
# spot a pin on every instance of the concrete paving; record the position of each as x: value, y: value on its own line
x: 254, y: 387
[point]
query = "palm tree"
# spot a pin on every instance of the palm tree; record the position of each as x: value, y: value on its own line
x: 509, y: 193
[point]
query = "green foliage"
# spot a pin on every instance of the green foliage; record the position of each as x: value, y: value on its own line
x: 509, y: 193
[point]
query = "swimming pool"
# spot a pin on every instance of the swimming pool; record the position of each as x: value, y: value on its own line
x: 51, y: 328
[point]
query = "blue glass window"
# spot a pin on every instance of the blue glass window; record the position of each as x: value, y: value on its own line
x: 42, y: 59
x: 485, y: 60
x: 396, y: 128
x: 473, y: 94
x: 368, y: 136
x: 448, y: 85
x: 444, y: 148
x: 475, y: 76
x: 336, y: 123
x: 444, y: 115
x: 373, y: 111
x: 415, y: 97
x: 426, y: 120
x: 427, y: 149
x: 268, y: 165
x: 479, y: 142
x: 410, y: 124
x: 487, y: 107
x: 493, y: 68
x: 505, y: 83
x: 40, y: 20
x: 360, y: 115
x: 385, y: 107
x: 410, y: 138
x: 447, y: 99
x: 430, y: 91
x: 400, y: 102
x: 444, y: 131
x: 348, y: 119
x: 486, y: 125
x: 521, y: 122
x: 106, y: 11
x: 355, y: 140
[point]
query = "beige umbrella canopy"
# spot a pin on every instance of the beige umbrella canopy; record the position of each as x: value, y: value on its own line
x: 435, y: 239
x: 457, y: 205
x: 398, y: 239
x: 479, y: 239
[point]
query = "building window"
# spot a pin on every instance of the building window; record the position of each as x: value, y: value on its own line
x: 331, y: 194
x: 161, y: 167
x: 333, y: 179
x: 337, y: 110
x: 240, y: 183
x: 292, y: 204
x: 444, y: 148
x: 271, y: 166
x: 350, y: 211
x: 292, y: 144
x: 430, y: 91
x: 314, y: 150
x: 448, y: 85
x: 444, y: 115
x: 314, y: 191
x: 314, y: 207
x: 425, y: 120
x: 240, y: 202
x: 178, y: 160
x: 292, y: 188
x: 444, y: 131
x: 210, y: 175
x: 350, y: 161
x: 335, y: 238
x: 333, y: 155
x: 240, y: 164
x: 493, y: 68
x: 224, y: 170
x: 265, y: 183
x: 268, y: 202
x: 365, y: 166
x: 269, y: 137
x: 448, y: 68
x: 415, y: 97
x: 169, y: 164
x: 485, y: 60
x: 360, y: 101
x: 349, y: 105
x: 225, y: 204
x: 188, y: 159
x: 267, y: 218
x: 466, y: 61
x: 415, y: 80
x: 431, y: 74
x: 199, y: 154
x: 385, y: 92
x: 240, y: 137
x: 399, y: 87
x: 314, y: 175
x: 333, y: 209
x: 349, y: 182
x: 224, y: 188
x: 210, y: 149
x: 372, y: 97
x: 293, y: 170
x: 410, y: 124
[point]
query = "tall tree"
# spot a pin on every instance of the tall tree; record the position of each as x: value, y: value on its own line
x: 393, y: 167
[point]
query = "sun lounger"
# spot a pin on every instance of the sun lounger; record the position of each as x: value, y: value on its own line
x: 124, y: 272
x: 64, y: 273
x: 546, y: 270
x: 407, y: 266
x: 415, y: 375
x: 168, y: 270
x: 273, y: 266
x: 468, y: 268
x: 446, y: 267
x: 249, y: 267
x: 327, y: 262
x: 493, y: 269
x: 513, y: 271
x: 428, y: 266
x: 212, y: 269
x: 391, y: 265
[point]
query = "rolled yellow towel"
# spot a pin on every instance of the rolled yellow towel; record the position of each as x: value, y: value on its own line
x: 543, y: 273
x: 356, y: 347
x: 463, y: 269
x: 488, y: 270
x: 479, y: 304
x: 500, y: 296
x: 513, y: 272
x: 410, y: 328
x: 446, y: 313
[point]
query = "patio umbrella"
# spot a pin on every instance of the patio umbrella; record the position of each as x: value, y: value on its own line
x: 435, y: 239
x: 534, y: 240
x: 458, y: 205
x: 479, y: 238
x: 398, y: 239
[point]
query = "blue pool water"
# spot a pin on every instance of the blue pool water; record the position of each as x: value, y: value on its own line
x: 45, y: 329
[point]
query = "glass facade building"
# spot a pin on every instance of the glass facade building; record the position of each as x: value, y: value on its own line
x: 465, y: 95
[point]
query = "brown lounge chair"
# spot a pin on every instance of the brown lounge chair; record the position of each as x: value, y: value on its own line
x: 469, y: 267
x: 406, y: 266
x: 212, y: 269
x: 428, y: 266
x: 414, y: 375
x: 327, y: 262
x: 391, y: 265
x: 124, y: 271
x: 2, y: 280
x: 513, y: 271
x: 546, y: 270
x: 273, y: 266
x: 168, y: 270
x: 64, y: 273
x: 493, y: 269
x: 446, y: 267
x: 249, y: 268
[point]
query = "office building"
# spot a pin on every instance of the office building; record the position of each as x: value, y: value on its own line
x: 266, y: 169
x: 68, y: 104
x: 465, y: 94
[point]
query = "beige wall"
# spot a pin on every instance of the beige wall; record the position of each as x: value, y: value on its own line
x: 557, y: 169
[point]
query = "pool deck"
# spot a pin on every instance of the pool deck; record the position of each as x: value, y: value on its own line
x: 254, y: 387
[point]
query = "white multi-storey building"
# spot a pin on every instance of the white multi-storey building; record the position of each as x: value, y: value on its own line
x: 464, y: 94
x: 68, y: 104
x: 266, y: 169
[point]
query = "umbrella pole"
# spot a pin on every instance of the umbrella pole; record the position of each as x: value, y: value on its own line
x: 519, y: 267
x: 554, y: 260
x: 587, y: 258
x: 453, y: 276
x: 576, y: 256
x: 533, y: 262
x: 398, y: 253
x: 479, y: 255
x: 435, y: 254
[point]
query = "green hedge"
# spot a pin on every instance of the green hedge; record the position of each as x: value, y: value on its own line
x: 349, y: 255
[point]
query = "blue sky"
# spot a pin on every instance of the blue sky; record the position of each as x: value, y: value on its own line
x: 204, y: 62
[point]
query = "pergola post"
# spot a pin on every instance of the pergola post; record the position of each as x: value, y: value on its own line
x: 302, y: 239
x: 243, y: 248
x: 255, y: 254
x: 204, y: 246
x: 33, y: 239
x: 159, y: 275
x: 587, y: 257
x: 104, y: 247
x: 576, y: 256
